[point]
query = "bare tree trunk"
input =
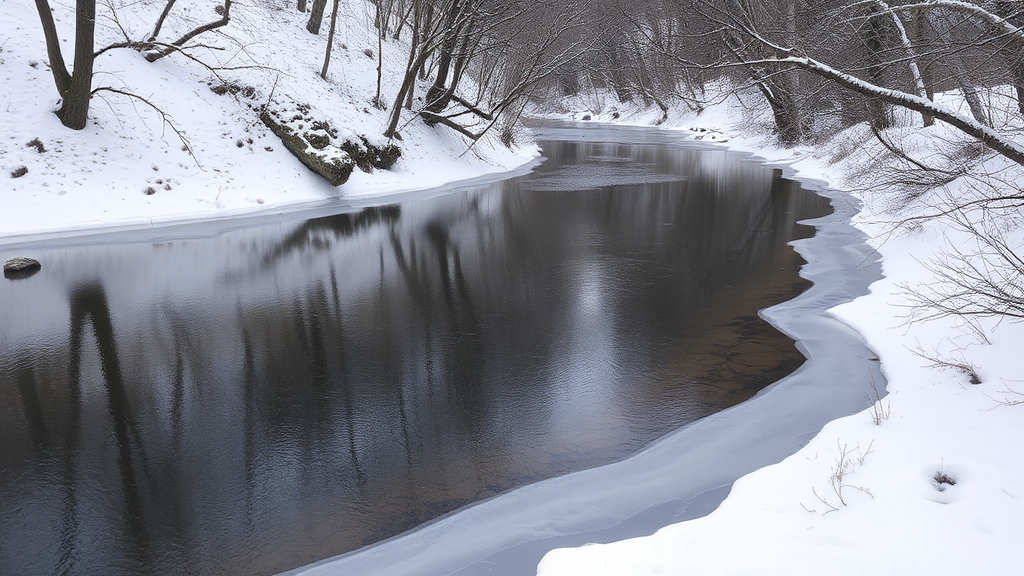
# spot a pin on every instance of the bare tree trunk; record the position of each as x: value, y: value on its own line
x: 160, y: 21
x: 458, y: 68
x: 407, y: 85
x: 1018, y: 81
x: 416, y: 24
x: 939, y: 20
x: 225, y: 17
x: 908, y: 47
x: 330, y: 41
x: 403, y: 20
x: 414, y: 66
x: 436, y: 95
x: 425, y: 26
x: 380, y: 64
x: 921, y: 34
x: 316, y: 17
x: 877, y: 110
x: 301, y: 7
x: 788, y: 83
x: 1010, y: 10
x: 785, y: 112
x: 780, y: 99
x: 74, y: 111
x: 75, y: 88
x: 61, y: 76
x: 615, y: 75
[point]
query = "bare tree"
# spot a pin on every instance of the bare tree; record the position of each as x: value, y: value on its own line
x: 316, y: 16
x: 942, y: 21
x: 757, y: 48
x: 75, y: 87
x: 508, y: 48
x: 910, y: 54
x: 330, y: 41
x: 1012, y: 12
x: 986, y: 281
x: 753, y: 34
x: 153, y: 49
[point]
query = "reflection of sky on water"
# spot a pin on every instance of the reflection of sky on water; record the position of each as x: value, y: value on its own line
x: 262, y: 397
x: 588, y: 348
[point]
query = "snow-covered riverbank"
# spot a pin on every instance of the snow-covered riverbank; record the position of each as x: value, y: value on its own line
x: 128, y: 168
x: 930, y: 480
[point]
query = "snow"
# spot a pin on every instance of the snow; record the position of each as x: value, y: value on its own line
x: 869, y: 493
x: 887, y: 514
x: 98, y: 178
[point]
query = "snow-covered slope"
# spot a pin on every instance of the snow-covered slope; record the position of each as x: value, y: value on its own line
x: 128, y: 167
x: 931, y: 479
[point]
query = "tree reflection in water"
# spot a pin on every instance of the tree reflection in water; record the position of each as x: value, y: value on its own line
x: 274, y: 397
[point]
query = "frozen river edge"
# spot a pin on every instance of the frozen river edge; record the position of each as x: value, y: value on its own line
x: 689, y: 472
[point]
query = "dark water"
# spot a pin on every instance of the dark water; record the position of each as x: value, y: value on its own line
x: 259, y: 398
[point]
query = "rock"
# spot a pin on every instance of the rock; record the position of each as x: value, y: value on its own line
x: 367, y: 156
x: 21, y: 267
x: 317, y: 140
x: 20, y: 263
x: 233, y: 88
x: 332, y: 163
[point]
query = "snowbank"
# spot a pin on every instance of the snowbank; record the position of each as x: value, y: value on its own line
x: 128, y: 167
x: 872, y: 493
x: 930, y: 480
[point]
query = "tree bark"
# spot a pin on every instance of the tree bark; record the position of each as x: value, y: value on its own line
x: 921, y: 35
x: 437, y: 95
x: 160, y: 21
x: 415, y: 42
x: 784, y: 112
x: 74, y: 110
x: 908, y: 47
x: 330, y: 41
x: 1018, y: 80
x: 316, y: 17
x: 940, y: 23
x: 878, y: 111
x: 415, y: 61
x: 177, y: 44
x: 1010, y: 11
x: 61, y: 76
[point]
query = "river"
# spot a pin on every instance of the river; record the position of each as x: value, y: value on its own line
x: 247, y: 397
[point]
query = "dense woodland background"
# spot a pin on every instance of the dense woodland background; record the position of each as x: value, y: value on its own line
x: 818, y: 64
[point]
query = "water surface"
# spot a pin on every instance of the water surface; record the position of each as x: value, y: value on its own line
x: 257, y: 398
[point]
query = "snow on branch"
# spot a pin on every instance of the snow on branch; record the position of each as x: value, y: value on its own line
x: 987, y: 135
x: 969, y: 9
